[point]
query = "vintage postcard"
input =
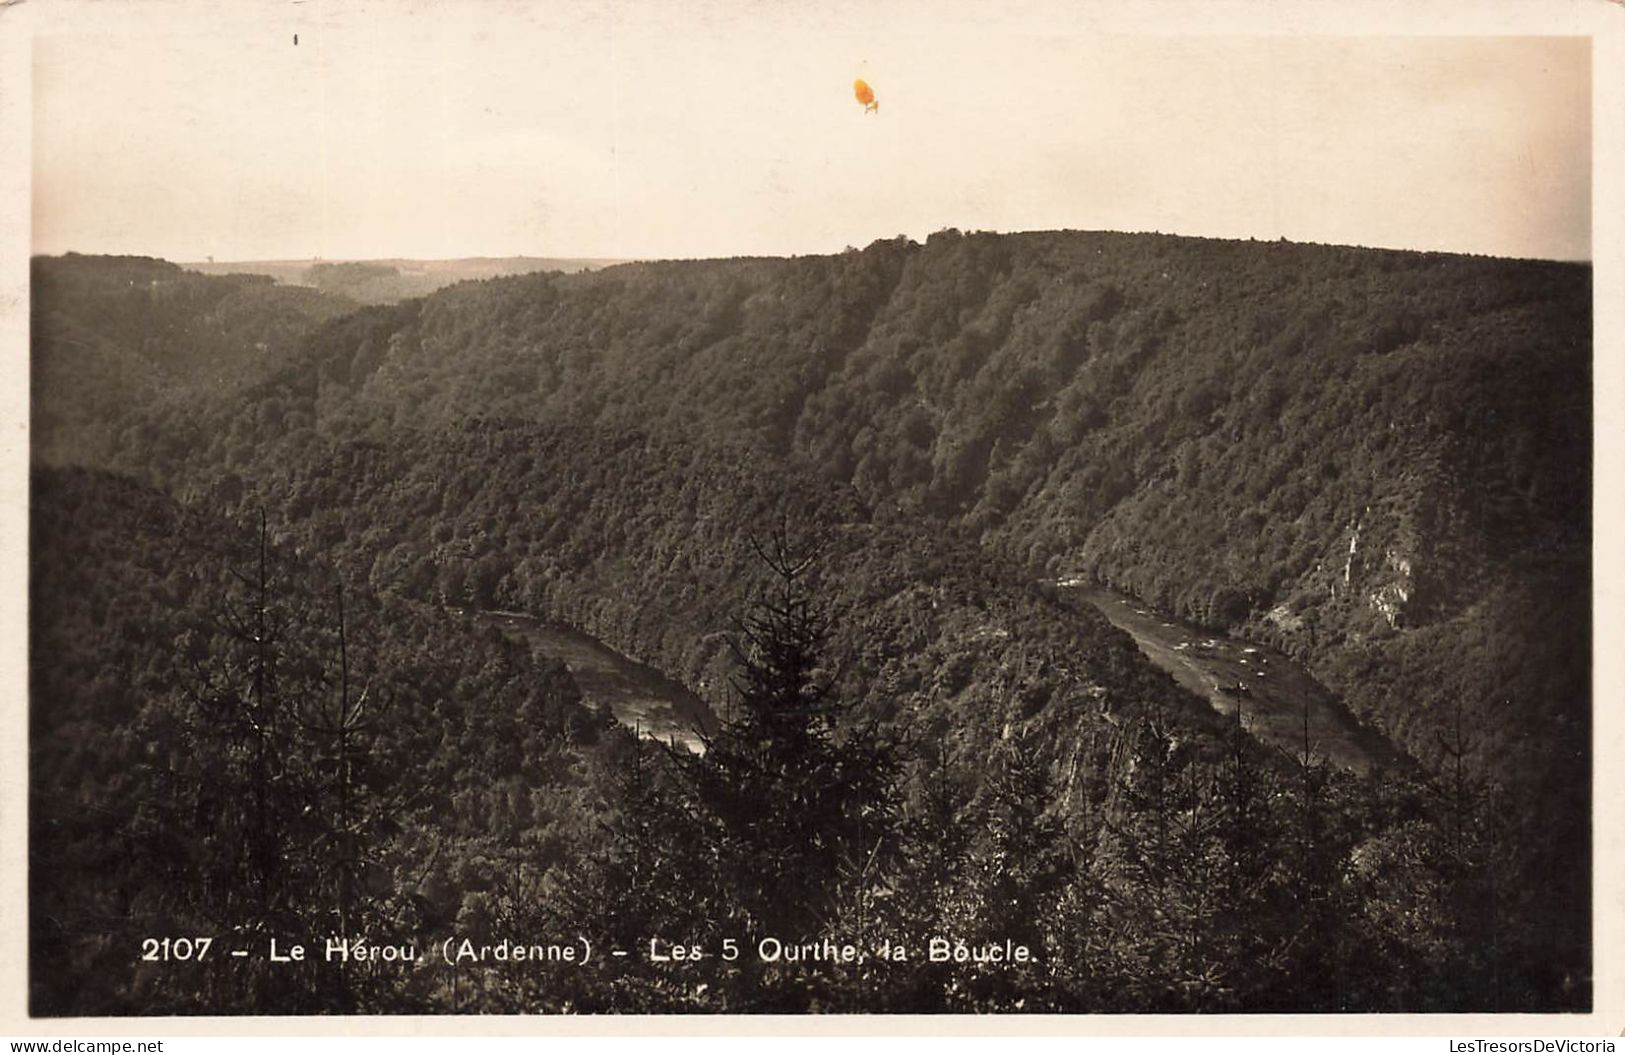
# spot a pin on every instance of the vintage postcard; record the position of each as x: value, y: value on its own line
x: 1068, y: 515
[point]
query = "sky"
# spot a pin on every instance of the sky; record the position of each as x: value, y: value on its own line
x: 730, y: 127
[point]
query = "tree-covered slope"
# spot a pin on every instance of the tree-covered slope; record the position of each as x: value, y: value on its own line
x: 1370, y: 458
x: 232, y: 742
x: 116, y: 336
x: 227, y: 740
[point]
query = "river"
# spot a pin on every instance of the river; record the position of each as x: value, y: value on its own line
x: 1271, y: 688
x: 638, y: 696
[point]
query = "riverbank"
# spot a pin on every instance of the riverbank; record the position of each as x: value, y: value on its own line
x: 638, y: 696
x: 1275, y: 693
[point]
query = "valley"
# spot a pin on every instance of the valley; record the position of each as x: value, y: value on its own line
x: 308, y: 574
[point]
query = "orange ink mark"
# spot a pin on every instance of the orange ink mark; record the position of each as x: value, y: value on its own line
x: 866, y: 96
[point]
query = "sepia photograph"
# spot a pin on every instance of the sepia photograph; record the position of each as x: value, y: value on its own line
x: 735, y: 509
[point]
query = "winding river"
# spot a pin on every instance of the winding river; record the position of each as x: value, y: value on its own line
x: 639, y: 696
x: 1274, y: 692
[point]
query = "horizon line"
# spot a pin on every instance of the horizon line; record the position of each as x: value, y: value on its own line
x: 217, y: 260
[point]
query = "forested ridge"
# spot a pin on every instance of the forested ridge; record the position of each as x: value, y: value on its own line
x: 390, y: 280
x: 1378, y: 461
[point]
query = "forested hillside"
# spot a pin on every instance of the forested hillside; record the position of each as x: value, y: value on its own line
x: 133, y: 339
x: 1378, y: 461
x: 229, y: 741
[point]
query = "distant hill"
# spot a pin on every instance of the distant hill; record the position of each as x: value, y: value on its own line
x: 394, y: 279
x: 116, y: 335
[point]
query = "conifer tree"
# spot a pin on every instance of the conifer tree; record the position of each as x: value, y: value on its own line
x: 237, y: 789
x: 1248, y: 934
x: 276, y: 787
x: 799, y: 800
x: 1021, y: 872
x: 1164, y: 829
x: 645, y: 872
